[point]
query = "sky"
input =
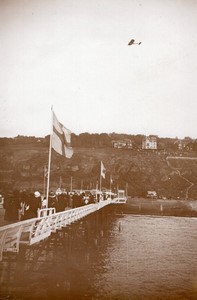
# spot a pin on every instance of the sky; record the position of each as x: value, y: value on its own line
x: 74, y: 55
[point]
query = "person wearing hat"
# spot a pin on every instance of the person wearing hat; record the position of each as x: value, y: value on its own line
x: 35, y: 204
x: 52, y: 200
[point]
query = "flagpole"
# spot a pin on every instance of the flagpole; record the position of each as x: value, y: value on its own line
x: 110, y: 185
x: 71, y: 184
x: 44, y: 182
x: 49, y: 161
x: 60, y: 185
x: 100, y: 178
x: 117, y: 189
x: 96, y: 189
x: 126, y: 188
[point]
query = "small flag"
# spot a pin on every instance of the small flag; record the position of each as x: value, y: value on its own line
x: 103, y: 170
x: 61, y: 138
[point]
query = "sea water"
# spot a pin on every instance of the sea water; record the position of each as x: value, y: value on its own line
x: 108, y: 256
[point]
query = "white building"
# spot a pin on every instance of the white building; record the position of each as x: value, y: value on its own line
x: 149, y: 142
x: 122, y: 144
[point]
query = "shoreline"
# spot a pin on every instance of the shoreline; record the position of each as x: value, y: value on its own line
x: 144, y: 206
x: 160, y: 207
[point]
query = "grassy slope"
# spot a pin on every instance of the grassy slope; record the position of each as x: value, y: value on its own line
x: 22, y: 167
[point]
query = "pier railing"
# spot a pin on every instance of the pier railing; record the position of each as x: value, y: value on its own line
x: 34, y: 230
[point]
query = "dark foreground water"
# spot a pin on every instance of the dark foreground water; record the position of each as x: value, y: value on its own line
x: 108, y: 256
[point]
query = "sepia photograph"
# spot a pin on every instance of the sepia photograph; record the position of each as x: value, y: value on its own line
x: 98, y: 150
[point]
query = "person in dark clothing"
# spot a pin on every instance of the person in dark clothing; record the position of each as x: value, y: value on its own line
x: 31, y: 204
x: 7, y: 205
x: 76, y: 200
x: 35, y: 204
x: 61, y: 202
x: 27, y: 208
x: 15, y: 206
x: 67, y: 199
x: 11, y: 206
x: 52, y: 201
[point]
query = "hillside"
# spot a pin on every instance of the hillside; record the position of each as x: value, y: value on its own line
x: 22, y: 166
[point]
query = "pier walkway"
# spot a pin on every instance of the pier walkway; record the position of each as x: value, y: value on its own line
x: 34, y: 230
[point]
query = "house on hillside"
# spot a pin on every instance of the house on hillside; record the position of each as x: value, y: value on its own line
x: 122, y: 144
x: 185, y: 145
x: 149, y: 142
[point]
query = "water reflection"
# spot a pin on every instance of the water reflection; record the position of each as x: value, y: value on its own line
x: 63, y: 266
x: 151, y: 258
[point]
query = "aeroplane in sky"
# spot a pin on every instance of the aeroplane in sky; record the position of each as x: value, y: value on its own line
x: 133, y: 42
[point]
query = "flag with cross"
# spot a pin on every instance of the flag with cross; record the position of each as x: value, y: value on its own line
x: 61, y: 138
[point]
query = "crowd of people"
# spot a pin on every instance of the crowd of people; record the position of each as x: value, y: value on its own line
x: 23, y: 205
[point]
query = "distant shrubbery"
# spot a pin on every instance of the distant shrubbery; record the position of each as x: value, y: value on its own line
x: 104, y: 140
x: 21, y: 140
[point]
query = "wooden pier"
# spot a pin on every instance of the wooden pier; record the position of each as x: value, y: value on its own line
x: 34, y: 230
